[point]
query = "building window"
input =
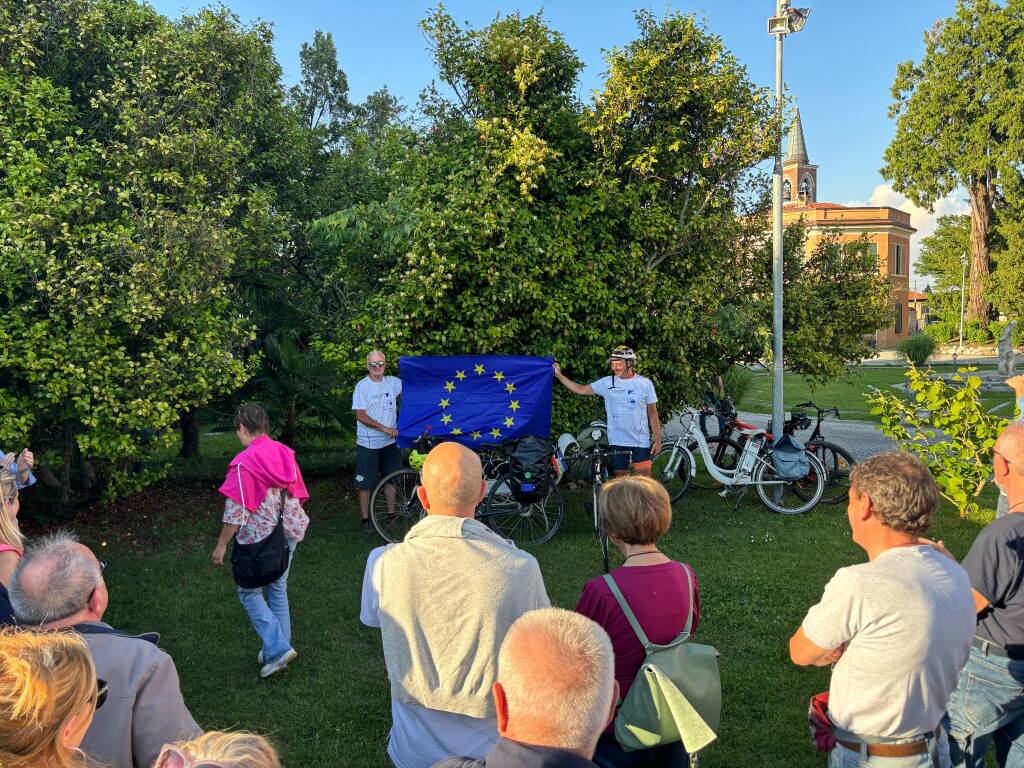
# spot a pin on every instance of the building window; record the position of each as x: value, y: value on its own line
x: 897, y: 260
x: 873, y: 249
x: 805, y: 188
x: 787, y: 190
x: 899, y: 319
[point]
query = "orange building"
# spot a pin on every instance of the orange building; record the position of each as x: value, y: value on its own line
x: 888, y: 230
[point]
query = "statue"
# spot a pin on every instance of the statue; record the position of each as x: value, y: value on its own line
x: 1007, y: 362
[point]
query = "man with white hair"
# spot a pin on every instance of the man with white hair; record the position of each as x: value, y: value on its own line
x: 59, y: 585
x: 444, y: 599
x: 555, y: 693
x: 375, y: 401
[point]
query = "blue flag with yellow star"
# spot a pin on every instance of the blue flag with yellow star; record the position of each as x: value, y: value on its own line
x: 474, y: 399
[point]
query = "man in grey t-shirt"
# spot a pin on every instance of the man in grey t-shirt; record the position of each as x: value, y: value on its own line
x: 988, y: 703
x: 898, y: 627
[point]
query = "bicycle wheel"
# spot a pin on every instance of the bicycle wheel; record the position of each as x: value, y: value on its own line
x: 789, y: 497
x: 726, y: 454
x: 677, y: 483
x: 394, y: 505
x: 838, y: 464
x: 525, y: 524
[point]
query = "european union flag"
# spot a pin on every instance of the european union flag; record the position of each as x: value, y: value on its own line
x: 474, y: 399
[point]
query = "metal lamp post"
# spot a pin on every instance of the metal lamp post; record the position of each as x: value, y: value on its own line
x: 785, y: 21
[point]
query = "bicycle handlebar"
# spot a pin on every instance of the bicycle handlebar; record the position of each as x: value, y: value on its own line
x: 821, y: 412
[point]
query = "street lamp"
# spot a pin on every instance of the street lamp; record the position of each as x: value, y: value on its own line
x: 785, y: 21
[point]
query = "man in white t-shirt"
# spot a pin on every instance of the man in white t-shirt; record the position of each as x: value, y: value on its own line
x: 630, y: 402
x: 898, y: 628
x: 444, y: 598
x: 375, y: 401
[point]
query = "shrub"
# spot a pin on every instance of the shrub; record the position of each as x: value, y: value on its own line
x: 996, y: 327
x: 917, y: 348
x: 946, y: 425
x: 737, y: 382
x: 942, y: 331
x: 977, y: 332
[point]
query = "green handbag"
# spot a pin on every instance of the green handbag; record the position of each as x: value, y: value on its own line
x: 677, y: 692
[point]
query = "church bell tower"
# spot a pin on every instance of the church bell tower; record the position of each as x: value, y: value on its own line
x: 799, y: 177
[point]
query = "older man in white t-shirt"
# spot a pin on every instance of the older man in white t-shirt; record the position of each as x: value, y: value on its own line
x: 898, y: 627
x: 375, y: 401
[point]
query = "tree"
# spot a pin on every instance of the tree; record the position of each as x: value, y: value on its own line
x: 321, y: 96
x: 958, y: 121
x: 132, y: 187
x: 942, y: 258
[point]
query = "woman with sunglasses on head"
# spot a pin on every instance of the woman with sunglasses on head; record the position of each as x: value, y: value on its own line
x: 218, y: 749
x: 48, y: 694
x: 12, y: 543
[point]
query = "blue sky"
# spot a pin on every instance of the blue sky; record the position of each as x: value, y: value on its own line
x: 839, y: 69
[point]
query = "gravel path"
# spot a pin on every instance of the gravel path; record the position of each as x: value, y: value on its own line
x: 860, y: 438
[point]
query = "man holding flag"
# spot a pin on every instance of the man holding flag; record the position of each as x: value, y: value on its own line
x: 630, y: 403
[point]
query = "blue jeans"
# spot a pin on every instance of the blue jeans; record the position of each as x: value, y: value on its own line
x: 987, y: 706
x: 841, y: 757
x: 267, y: 608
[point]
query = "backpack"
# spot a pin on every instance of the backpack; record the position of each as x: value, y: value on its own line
x: 790, y: 458
x: 677, y: 692
x: 529, y: 476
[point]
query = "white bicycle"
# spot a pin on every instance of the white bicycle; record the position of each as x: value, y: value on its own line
x: 677, y: 465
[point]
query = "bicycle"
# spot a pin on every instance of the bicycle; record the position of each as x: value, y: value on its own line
x: 755, y: 466
x: 395, y: 506
x: 836, y: 460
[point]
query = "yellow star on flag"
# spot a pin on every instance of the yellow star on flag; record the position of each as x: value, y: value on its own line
x: 475, y: 435
x: 510, y: 387
x: 495, y: 432
x: 460, y: 375
x: 509, y: 421
x: 478, y: 369
x: 498, y: 376
x: 446, y: 419
x: 514, y: 405
x: 444, y: 402
x: 456, y: 431
x: 449, y: 385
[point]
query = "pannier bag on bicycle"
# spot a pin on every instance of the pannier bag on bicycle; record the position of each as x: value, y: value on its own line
x: 677, y: 692
x: 529, y: 458
x: 790, y: 457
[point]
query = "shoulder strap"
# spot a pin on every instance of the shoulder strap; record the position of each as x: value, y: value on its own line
x: 99, y: 629
x: 630, y: 616
x: 689, y: 600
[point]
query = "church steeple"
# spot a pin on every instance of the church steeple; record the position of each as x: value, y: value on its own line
x: 796, y: 147
x: 799, y: 177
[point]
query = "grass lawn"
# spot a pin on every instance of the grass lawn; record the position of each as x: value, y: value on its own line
x: 848, y: 393
x: 758, y: 574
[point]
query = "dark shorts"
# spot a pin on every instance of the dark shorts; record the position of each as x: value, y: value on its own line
x: 621, y: 461
x: 374, y: 463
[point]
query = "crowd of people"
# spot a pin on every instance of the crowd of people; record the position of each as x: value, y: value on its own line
x: 927, y: 653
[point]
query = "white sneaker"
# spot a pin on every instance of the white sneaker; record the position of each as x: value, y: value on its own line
x: 259, y: 657
x: 278, y: 664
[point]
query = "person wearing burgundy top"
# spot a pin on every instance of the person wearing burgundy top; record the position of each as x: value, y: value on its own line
x: 636, y: 513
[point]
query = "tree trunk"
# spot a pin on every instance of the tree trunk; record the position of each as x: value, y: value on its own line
x: 188, y: 420
x: 980, y: 191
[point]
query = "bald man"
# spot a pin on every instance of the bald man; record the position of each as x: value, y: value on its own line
x: 988, y: 703
x: 444, y: 599
x: 555, y: 693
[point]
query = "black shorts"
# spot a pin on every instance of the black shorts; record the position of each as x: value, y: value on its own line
x: 621, y: 461
x: 374, y: 463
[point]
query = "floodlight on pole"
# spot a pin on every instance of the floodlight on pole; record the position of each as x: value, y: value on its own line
x: 786, y: 20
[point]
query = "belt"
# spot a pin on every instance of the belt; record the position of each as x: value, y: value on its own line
x: 888, y: 750
x: 991, y: 649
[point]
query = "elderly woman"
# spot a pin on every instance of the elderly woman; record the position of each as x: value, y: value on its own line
x: 228, y: 750
x: 637, y: 512
x: 48, y: 694
x: 263, y: 488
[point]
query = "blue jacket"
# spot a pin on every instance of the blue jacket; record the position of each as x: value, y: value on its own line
x: 514, y: 754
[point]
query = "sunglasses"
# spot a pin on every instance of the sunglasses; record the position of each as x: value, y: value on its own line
x: 379, y: 364
x: 101, y: 692
x: 172, y: 757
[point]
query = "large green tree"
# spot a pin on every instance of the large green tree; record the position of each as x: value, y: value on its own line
x: 132, y: 152
x: 959, y: 122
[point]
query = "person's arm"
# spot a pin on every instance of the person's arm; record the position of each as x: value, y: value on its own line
x: 806, y: 653
x: 227, y: 532
x: 652, y: 417
x: 23, y: 476
x: 8, y: 562
x: 579, y: 389
x: 159, y: 714
x: 372, y: 423
x: 1017, y: 384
